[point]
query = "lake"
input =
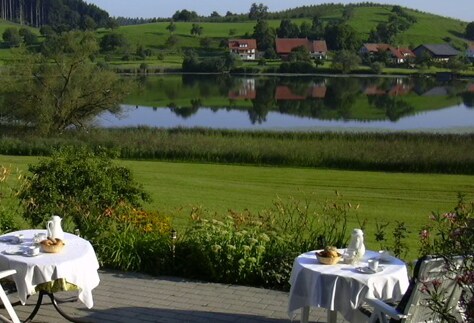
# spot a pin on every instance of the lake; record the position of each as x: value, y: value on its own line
x: 298, y: 104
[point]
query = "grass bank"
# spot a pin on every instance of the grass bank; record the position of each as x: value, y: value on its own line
x: 384, y: 197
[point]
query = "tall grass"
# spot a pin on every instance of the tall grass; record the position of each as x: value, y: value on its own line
x: 401, y: 152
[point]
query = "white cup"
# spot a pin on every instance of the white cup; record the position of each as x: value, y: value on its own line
x: 33, y: 251
x: 373, y: 264
x: 39, y: 237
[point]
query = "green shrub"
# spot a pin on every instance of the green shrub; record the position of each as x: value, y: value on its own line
x: 77, y: 183
x: 10, y: 212
x: 245, y: 247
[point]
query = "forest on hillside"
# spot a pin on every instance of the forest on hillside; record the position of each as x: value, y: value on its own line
x: 60, y: 14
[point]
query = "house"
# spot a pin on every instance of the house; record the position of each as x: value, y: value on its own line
x: 284, y: 46
x: 401, y: 55
x: 396, y: 55
x: 316, y: 48
x: 245, y: 48
x: 319, y: 49
x: 437, y: 52
x: 371, y: 48
x: 470, y: 52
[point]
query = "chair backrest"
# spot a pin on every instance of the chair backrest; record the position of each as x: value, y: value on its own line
x: 431, y: 275
x: 6, y: 302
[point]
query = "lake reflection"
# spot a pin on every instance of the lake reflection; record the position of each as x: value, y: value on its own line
x: 316, y: 104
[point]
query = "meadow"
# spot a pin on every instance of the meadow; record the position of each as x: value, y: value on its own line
x: 177, y: 188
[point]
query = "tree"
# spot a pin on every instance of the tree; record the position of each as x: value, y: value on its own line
x: 196, y: 30
x: 60, y: 88
x: 258, y: 12
x: 171, y: 27
x: 345, y: 61
x: 342, y: 37
x: 113, y: 41
x: 305, y: 30
x: 470, y: 31
x: 300, y: 54
x: 348, y: 13
x: 264, y: 35
x: 185, y: 15
x: 287, y: 29
x: 215, y: 14
x: 12, y: 37
x: 28, y: 36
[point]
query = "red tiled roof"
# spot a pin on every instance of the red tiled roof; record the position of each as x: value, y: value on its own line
x: 236, y: 43
x: 406, y: 52
x: 241, y: 95
x: 283, y: 92
x: 374, y: 48
x: 318, y: 91
x: 470, y: 87
x: 320, y: 46
x: 373, y: 90
x: 285, y: 45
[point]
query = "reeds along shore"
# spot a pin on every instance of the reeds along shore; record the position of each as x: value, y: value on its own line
x: 398, y: 152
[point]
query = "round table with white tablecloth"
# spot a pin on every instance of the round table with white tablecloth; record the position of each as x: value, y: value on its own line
x: 76, y: 264
x: 343, y: 287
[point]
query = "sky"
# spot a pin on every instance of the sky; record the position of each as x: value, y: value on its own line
x: 460, y: 9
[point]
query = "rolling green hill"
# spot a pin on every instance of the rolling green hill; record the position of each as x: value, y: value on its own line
x: 429, y: 28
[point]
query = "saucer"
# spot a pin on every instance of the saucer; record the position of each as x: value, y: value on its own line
x: 367, y: 270
x: 13, y: 251
x: 26, y: 254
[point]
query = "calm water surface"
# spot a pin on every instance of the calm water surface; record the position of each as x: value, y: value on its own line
x: 292, y: 103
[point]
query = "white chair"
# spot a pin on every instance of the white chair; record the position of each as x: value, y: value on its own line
x: 413, y: 306
x: 6, y: 301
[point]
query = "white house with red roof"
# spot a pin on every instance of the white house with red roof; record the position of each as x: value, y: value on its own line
x: 245, y: 48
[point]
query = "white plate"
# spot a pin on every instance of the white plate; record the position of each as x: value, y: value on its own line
x: 13, y: 251
x: 367, y: 270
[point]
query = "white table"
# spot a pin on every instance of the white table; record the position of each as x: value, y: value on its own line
x: 76, y: 263
x: 341, y: 287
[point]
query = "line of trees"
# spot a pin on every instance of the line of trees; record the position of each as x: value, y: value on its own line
x: 60, y: 14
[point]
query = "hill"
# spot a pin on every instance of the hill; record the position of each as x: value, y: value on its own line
x: 155, y: 37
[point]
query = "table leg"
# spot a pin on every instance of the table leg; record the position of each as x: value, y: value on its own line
x: 305, y: 314
x: 56, y: 306
x: 332, y: 316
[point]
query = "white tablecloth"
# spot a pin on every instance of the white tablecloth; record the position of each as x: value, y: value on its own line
x: 341, y: 287
x: 77, y: 263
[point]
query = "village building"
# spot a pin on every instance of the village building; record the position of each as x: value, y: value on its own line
x: 317, y: 48
x: 245, y: 48
x: 437, y: 52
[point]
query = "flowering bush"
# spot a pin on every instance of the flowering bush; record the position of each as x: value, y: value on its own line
x: 452, y: 234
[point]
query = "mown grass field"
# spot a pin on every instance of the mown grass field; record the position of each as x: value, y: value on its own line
x: 385, y: 197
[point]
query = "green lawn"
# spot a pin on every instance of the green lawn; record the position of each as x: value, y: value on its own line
x: 177, y: 187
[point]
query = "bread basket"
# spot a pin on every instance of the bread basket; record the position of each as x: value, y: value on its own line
x: 328, y: 260
x: 50, y: 246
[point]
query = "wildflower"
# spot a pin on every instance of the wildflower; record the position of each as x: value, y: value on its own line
x: 232, y: 247
x: 424, y: 234
x: 241, y: 262
x: 253, y: 260
x: 246, y: 248
x: 450, y: 216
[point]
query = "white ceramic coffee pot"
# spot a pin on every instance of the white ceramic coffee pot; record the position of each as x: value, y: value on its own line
x: 54, y: 228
